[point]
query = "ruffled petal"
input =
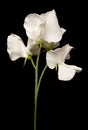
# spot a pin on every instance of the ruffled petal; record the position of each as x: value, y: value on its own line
x: 62, y: 53
x: 34, y: 26
x: 67, y: 72
x: 53, y: 32
x: 57, y: 56
x: 16, y: 47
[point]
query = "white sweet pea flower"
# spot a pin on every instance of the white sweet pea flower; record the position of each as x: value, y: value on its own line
x: 16, y: 47
x: 44, y: 26
x: 57, y: 57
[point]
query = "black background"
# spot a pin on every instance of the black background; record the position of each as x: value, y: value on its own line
x: 57, y: 99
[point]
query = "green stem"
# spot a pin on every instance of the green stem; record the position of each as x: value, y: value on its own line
x: 35, y: 94
x: 36, y: 70
x: 36, y: 97
x: 33, y: 63
x: 41, y: 76
x: 35, y: 111
x: 37, y: 85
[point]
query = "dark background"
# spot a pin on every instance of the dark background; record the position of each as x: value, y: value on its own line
x: 57, y: 99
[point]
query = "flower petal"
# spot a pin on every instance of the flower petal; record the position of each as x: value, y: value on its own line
x: 57, y: 56
x: 33, y: 25
x: 51, y: 59
x: 62, y: 53
x: 67, y: 72
x: 68, y: 57
x: 16, y: 47
x: 53, y: 32
x: 32, y: 47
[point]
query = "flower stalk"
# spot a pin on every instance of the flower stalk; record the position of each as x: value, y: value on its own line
x: 37, y: 85
x: 35, y: 93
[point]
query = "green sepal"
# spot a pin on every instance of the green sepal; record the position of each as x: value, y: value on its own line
x: 40, y: 42
x: 29, y: 57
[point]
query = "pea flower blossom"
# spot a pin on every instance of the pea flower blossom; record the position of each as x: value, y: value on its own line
x: 58, y: 57
x: 44, y: 26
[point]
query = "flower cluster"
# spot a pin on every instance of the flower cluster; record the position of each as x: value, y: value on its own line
x: 43, y: 30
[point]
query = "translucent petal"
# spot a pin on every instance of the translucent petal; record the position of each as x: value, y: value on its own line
x: 34, y: 26
x: 53, y: 32
x: 67, y: 72
x: 16, y: 47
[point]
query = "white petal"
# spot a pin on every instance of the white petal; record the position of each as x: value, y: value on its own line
x: 63, y: 53
x: 16, y: 47
x: 32, y: 47
x: 53, y: 32
x: 78, y: 69
x: 67, y: 72
x: 63, y: 30
x: 34, y: 25
x: 68, y: 57
x: 51, y: 59
x: 30, y: 44
x: 57, y: 56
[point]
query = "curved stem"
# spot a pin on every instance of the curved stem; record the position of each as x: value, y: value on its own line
x: 33, y: 63
x: 41, y: 76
